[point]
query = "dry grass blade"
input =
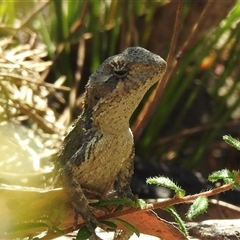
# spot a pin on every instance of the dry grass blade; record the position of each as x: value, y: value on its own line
x: 24, y: 94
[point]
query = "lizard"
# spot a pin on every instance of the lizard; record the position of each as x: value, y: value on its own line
x: 97, y: 154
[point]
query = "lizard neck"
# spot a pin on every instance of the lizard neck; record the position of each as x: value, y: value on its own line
x: 116, y: 124
x: 109, y: 115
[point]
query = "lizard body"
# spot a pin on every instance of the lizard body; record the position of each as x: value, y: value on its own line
x: 98, y: 152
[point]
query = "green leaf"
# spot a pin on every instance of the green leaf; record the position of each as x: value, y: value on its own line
x: 178, y: 219
x: 224, y: 174
x: 128, y: 226
x: 141, y: 203
x: 236, y: 175
x: 110, y: 224
x: 83, y: 234
x: 198, y: 207
x: 166, y: 182
x: 58, y: 230
x: 232, y: 141
x: 180, y: 193
x: 118, y: 208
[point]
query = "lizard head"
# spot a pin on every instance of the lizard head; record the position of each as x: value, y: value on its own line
x: 116, y: 88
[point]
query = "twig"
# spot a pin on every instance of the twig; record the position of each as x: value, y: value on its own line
x: 161, y: 205
x: 191, y: 131
x: 189, y: 198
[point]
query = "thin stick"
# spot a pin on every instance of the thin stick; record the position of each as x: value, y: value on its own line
x: 162, y: 205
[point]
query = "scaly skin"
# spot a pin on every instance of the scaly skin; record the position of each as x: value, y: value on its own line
x: 98, y: 152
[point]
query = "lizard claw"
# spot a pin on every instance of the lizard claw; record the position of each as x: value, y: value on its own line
x: 89, y: 220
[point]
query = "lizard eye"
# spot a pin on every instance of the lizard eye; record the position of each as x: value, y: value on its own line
x: 120, y: 73
x: 120, y: 70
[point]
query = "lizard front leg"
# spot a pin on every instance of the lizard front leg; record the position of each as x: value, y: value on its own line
x: 122, y: 188
x: 123, y: 181
x: 78, y: 200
